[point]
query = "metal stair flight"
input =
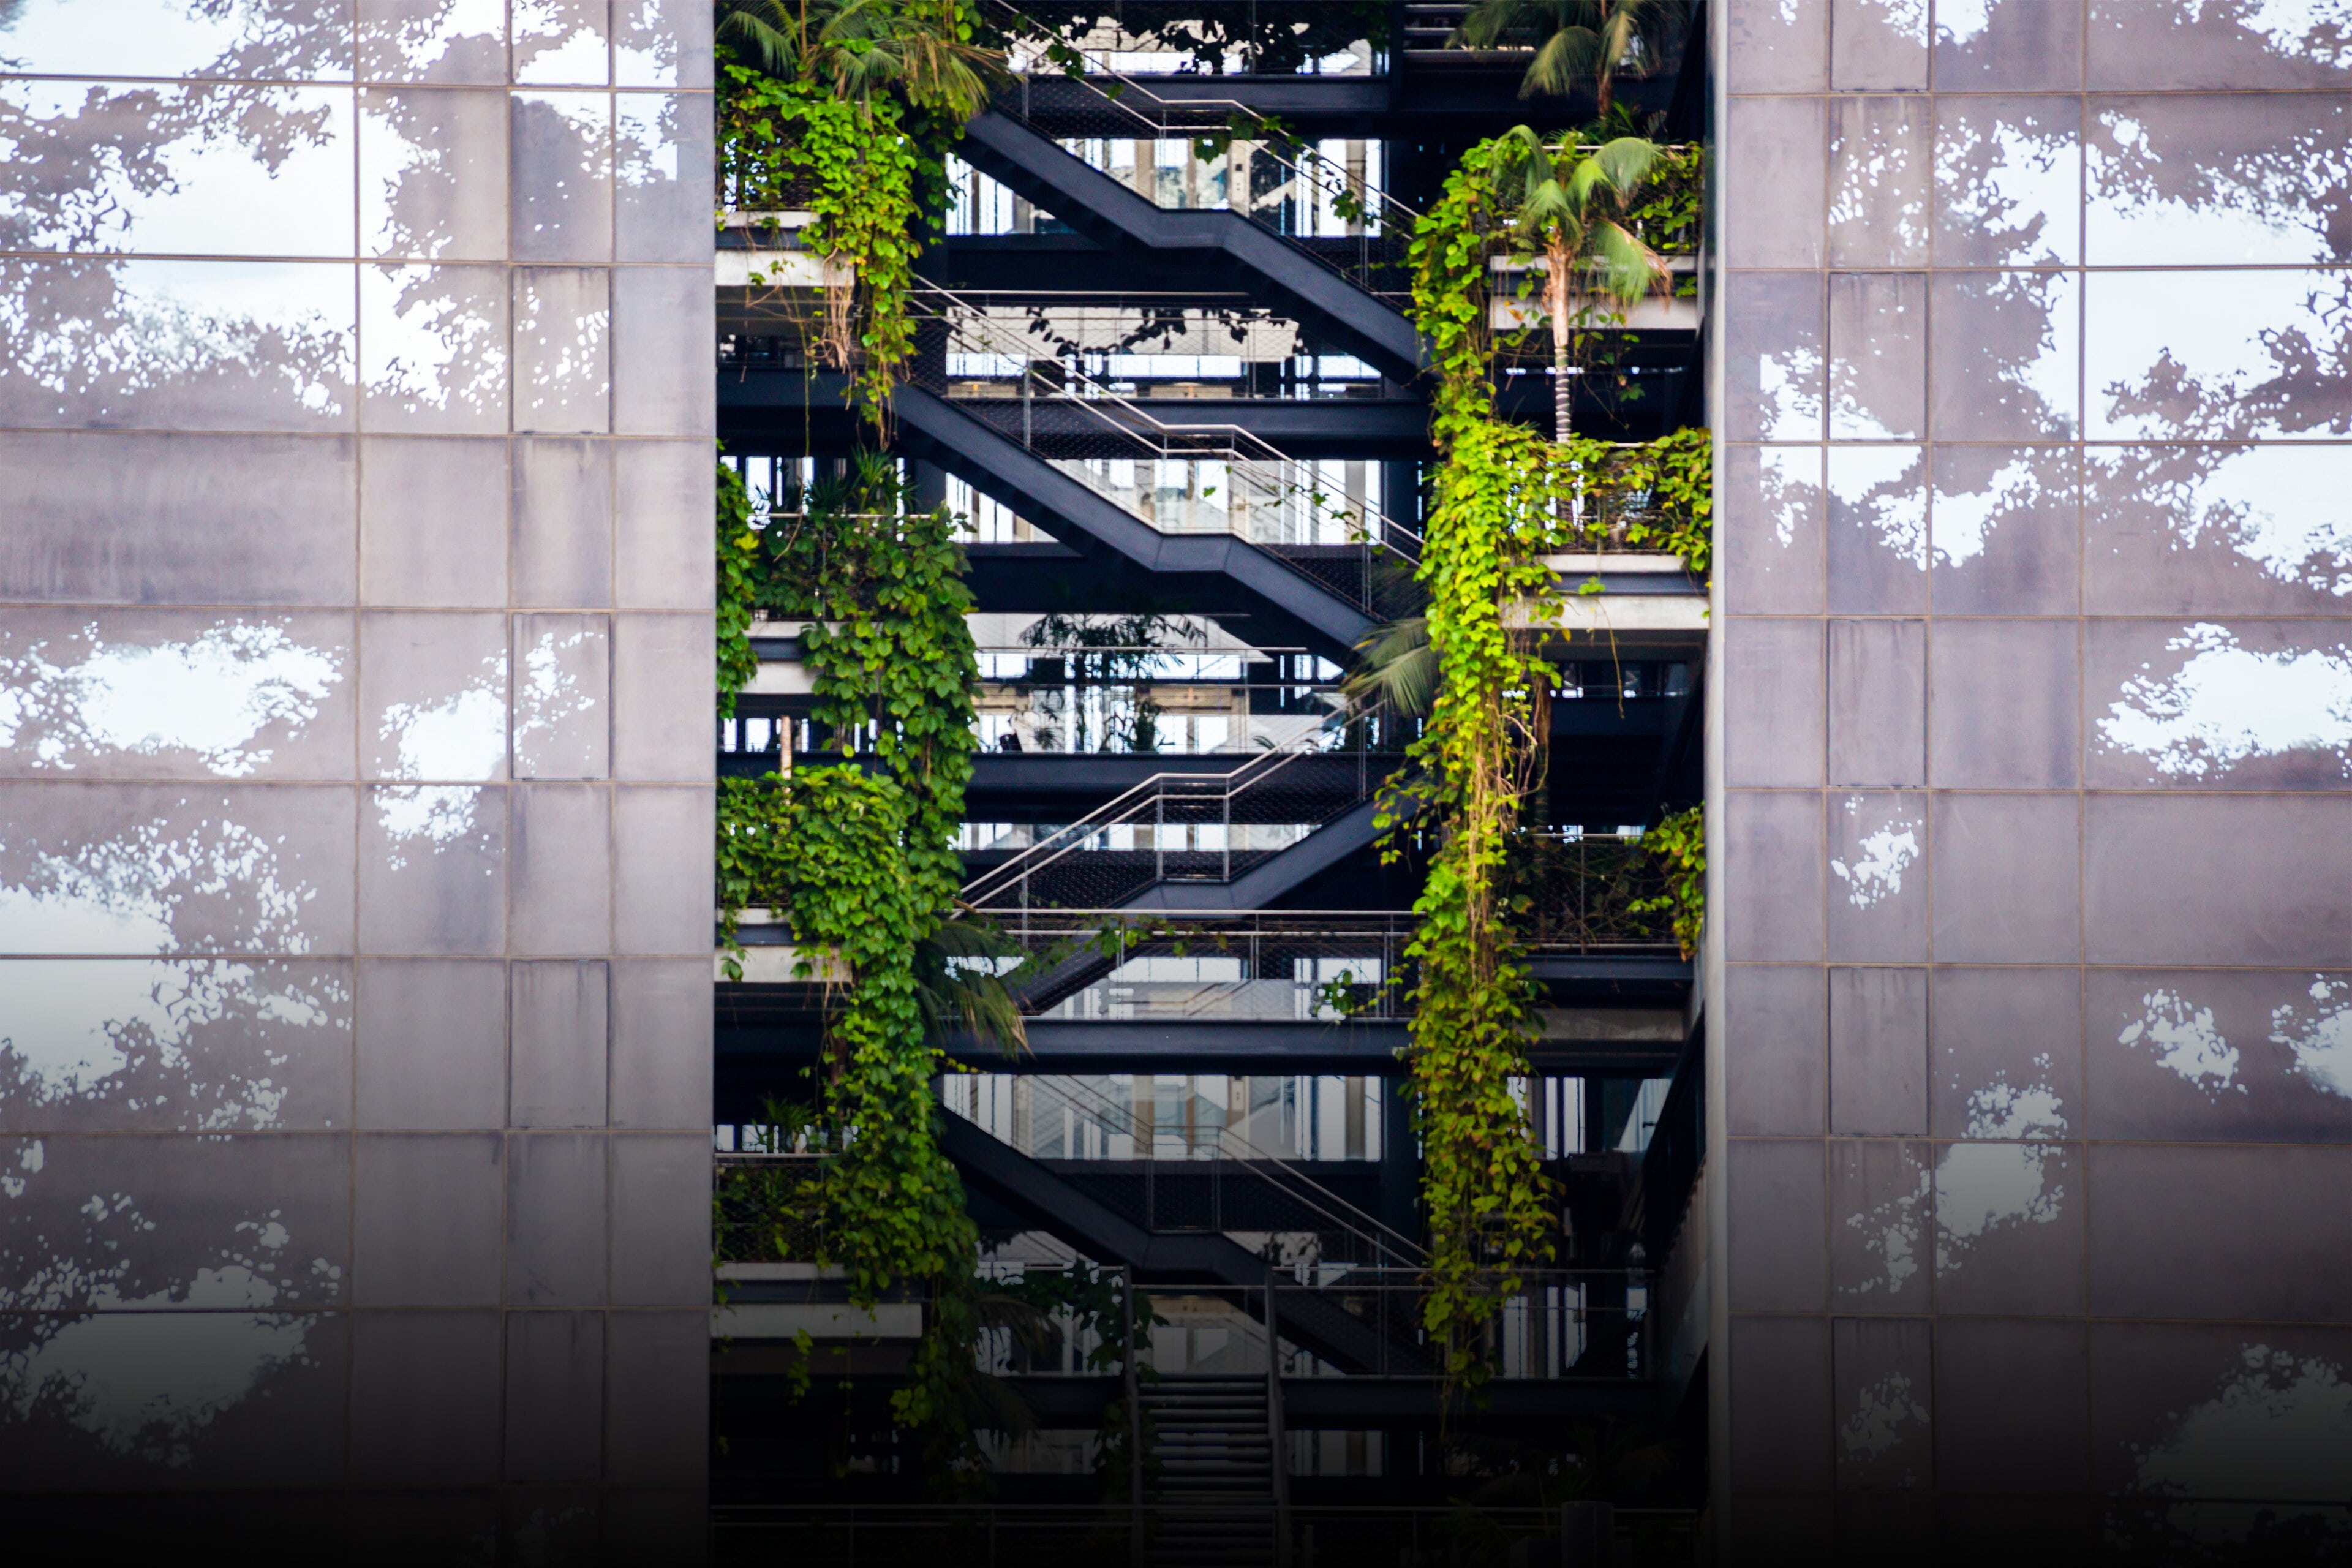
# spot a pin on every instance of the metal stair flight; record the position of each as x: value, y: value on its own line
x: 1117, y: 217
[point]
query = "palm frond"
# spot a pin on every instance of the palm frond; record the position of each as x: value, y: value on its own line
x: 1398, y: 669
x: 961, y: 1000
x: 1626, y: 161
x: 1629, y: 269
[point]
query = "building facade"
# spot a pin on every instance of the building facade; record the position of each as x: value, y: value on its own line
x: 355, y: 639
x: 2028, y: 996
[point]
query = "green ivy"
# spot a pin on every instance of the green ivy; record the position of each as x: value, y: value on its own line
x: 1681, y: 842
x: 1671, y: 211
x: 1504, y: 497
x: 856, y: 170
x: 828, y: 844
x: 1660, y: 493
x: 888, y: 648
x: 867, y: 866
x: 1490, y: 1207
x: 738, y: 544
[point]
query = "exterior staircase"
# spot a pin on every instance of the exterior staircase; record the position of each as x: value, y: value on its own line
x: 1216, y: 1446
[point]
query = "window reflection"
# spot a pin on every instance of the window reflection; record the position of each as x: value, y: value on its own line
x: 225, y: 699
x: 432, y: 346
x: 2196, y: 178
x: 2008, y: 182
x: 191, y: 346
x: 2219, y: 354
x: 433, y: 174
x: 295, y: 40
x: 432, y: 40
x: 1881, y: 490
x: 561, y: 42
x: 562, y: 379
x: 2206, y: 706
x: 211, y: 1046
x: 177, y: 169
x: 186, y: 871
x: 2278, y: 507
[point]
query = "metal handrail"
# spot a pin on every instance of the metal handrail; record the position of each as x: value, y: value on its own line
x: 1131, y: 90
x: 1241, y: 446
x: 1073, y: 838
x: 1342, y: 1214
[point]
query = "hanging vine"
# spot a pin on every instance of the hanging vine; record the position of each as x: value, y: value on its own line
x: 1681, y: 842
x: 1489, y: 1206
x: 851, y: 121
x: 737, y: 581
x: 1504, y: 496
x: 889, y: 651
x: 864, y: 866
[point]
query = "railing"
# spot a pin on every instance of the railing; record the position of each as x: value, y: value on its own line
x: 1084, y: 714
x: 1585, y: 1326
x: 1235, y: 1184
x: 1227, y: 479
x: 1371, y: 256
x: 757, y: 1215
x: 1101, y: 1535
x: 1592, y: 892
x: 1270, y: 967
x: 1178, y: 827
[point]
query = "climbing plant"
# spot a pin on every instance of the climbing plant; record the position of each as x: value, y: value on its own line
x: 864, y: 866
x: 737, y: 581
x: 890, y: 652
x: 1652, y: 495
x: 1489, y: 1206
x: 828, y: 845
x: 1503, y: 497
x: 849, y: 113
x: 1680, y: 841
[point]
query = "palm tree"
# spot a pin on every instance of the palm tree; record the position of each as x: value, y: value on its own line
x: 861, y: 49
x: 1580, y: 38
x: 1568, y: 203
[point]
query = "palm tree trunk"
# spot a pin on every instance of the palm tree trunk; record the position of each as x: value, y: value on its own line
x: 1562, y: 334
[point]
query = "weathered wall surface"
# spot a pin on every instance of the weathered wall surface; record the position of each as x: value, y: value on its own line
x: 355, y: 637
x: 2035, y: 915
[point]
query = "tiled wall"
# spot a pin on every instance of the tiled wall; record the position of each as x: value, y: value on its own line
x: 355, y: 644
x: 2035, y: 910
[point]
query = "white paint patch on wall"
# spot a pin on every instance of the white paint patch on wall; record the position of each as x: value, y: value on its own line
x: 1880, y: 1423
x: 1877, y: 872
x: 1982, y: 1188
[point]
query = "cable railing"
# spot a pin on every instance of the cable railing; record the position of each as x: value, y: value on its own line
x: 1371, y: 255
x: 1263, y: 966
x: 1175, y: 478
x: 1234, y: 1183
x: 1181, y: 827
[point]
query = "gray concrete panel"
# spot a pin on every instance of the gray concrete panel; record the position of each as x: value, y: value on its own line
x: 561, y: 1023
x: 554, y: 1396
x: 559, y: 870
x: 426, y: 1219
x: 563, y: 516
x: 460, y: 563
x: 1780, y: 1236
x: 424, y: 1398
x: 432, y: 1045
x: 1881, y: 1226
